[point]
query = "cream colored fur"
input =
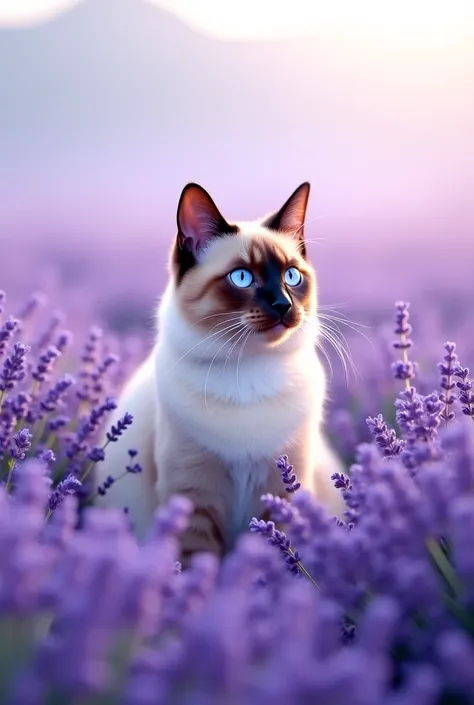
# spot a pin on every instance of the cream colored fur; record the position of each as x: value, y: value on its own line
x: 214, y: 431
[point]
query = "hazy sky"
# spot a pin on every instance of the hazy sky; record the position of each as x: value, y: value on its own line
x: 404, y: 20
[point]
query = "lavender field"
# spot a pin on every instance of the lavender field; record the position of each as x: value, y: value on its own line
x: 374, y: 609
x: 108, y: 108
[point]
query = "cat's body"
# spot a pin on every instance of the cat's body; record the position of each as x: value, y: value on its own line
x: 233, y: 381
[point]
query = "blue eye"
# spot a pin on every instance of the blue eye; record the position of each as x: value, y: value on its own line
x: 293, y: 276
x: 241, y: 278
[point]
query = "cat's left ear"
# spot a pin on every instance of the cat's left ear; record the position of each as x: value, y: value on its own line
x: 198, y: 218
x: 291, y: 216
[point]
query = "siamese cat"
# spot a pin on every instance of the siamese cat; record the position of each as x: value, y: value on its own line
x: 233, y: 380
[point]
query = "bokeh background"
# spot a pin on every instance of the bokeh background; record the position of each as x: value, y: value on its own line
x: 108, y: 107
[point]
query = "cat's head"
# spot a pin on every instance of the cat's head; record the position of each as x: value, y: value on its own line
x: 247, y: 280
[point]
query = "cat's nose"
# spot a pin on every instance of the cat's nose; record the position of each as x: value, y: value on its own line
x: 281, y: 305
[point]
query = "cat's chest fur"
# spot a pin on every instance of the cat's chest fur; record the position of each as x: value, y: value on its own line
x: 243, y: 415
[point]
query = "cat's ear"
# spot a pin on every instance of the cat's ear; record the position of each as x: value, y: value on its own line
x: 291, y: 216
x: 199, y: 219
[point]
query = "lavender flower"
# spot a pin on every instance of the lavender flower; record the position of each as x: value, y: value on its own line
x: 108, y: 482
x: 447, y: 371
x: 64, y: 340
x: 20, y: 405
x: 6, y: 333
x: 20, y: 444
x: 466, y: 390
x: 70, y: 485
x: 51, y: 401
x: 403, y: 369
x: 88, y: 427
x: 14, y: 368
x: 45, y: 364
x: 90, y: 360
x: 385, y: 438
x: 341, y: 481
x: 46, y: 456
x: 96, y: 454
x: 116, y: 431
x: 57, y: 423
x: 287, y: 475
x: 133, y: 467
x: 98, y: 386
x: 419, y: 417
x: 280, y: 540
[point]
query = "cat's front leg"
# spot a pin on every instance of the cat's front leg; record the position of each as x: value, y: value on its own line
x: 203, y: 534
x: 199, y: 475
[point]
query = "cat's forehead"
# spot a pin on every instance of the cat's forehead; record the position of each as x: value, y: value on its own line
x: 254, y: 245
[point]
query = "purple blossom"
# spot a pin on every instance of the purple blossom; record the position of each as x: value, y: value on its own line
x: 88, y: 428
x: 108, y: 482
x: 14, y: 368
x: 96, y: 454
x: 57, y: 423
x: 46, y: 456
x: 90, y: 361
x: 419, y: 418
x: 280, y: 540
x: 287, y: 474
x: 70, y: 485
x: 45, y: 364
x: 402, y: 326
x: 116, y: 430
x: 7, y: 331
x: 134, y: 468
x: 341, y: 481
x: 20, y: 444
x: 447, y: 372
x: 466, y: 390
x: 64, y: 340
x: 385, y: 438
x: 20, y: 405
x: 403, y: 369
x: 98, y: 385
x: 50, y: 402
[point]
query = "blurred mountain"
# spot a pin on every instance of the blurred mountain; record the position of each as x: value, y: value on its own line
x: 107, y: 110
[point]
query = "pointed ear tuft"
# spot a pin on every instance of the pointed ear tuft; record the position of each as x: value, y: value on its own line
x: 291, y: 216
x: 198, y: 218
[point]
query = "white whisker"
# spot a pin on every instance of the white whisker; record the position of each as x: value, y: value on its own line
x: 212, y: 361
x: 249, y: 333
x: 227, y: 357
x: 340, y: 345
x: 213, y: 315
x: 349, y: 324
x: 203, y: 340
x: 221, y: 335
x: 320, y: 347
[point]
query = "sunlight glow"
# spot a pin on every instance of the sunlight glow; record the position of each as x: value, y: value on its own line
x: 273, y: 19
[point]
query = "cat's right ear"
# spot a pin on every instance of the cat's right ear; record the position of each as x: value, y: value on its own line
x: 198, y: 218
